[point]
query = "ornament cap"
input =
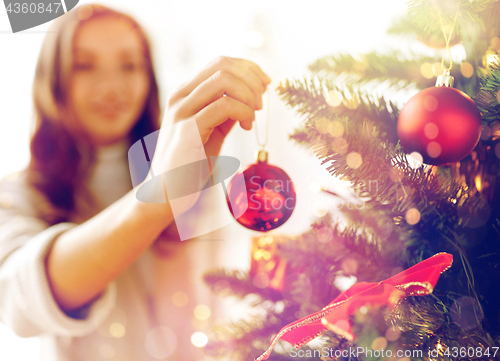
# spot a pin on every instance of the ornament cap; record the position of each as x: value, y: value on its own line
x: 261, y: 156
x: 445, y: 79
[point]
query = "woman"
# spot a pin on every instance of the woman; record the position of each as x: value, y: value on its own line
x: 75, y: 243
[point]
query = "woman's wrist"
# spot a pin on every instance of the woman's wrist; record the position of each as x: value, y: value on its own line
x: 154, y: 216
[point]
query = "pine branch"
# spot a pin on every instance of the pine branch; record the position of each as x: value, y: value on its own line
x: 371, y: 67
x: 425, y: 15
x: 239, y: 284
x: 488, y: 98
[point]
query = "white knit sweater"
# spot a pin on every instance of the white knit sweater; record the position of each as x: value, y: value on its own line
x: 142, y: 315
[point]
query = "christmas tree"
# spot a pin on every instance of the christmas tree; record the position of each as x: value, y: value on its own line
x: 407, y: 213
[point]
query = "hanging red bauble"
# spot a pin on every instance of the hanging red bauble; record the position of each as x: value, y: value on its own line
x: 442, y: 124
x: 267, y: 194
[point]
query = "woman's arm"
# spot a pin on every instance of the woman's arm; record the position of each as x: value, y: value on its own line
x: 84, y: 259
x: 200, y: 114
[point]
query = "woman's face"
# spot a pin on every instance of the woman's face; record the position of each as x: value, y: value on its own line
x: 110, y: 83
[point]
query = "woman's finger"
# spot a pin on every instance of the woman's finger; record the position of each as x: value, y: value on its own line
x: 244, y: 70
x: 219, y: 84
x: 219, y: 111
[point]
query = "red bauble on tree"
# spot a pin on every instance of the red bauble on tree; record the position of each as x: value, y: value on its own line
x: 267, y: 194
x: 442, y: 124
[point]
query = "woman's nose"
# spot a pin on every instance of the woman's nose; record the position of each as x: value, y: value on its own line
x: 110, y: 83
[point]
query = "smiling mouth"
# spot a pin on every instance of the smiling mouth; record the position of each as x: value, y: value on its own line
x: 110, y: 111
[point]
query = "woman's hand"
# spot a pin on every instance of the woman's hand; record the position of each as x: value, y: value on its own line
x: 199, y: 116
x: 242, y: 81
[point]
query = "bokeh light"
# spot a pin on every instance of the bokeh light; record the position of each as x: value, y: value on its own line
x: 431, y: 130
x: 349, y: 266
x: 199, y: 339
x: 315, y: 187
x: 117, y: 330
x: 433, y: 149
x: 321, y: 125
x: 426, y: 70
x: 412, y: 216
x: 486, y: 132
x: 494, y: 58
x: 379, y: 343
x: 467, y: 69
x: 202, y: 312
x: 430, y: 103
x: 336, y: 128
x: 392, y: 334
x: 437, y: 69
x: 415, y: 160
x: 340, y: 145
x: 333, y: 98
x: 354, y: 160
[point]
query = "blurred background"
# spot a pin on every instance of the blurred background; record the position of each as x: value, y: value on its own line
x: 282, y: 37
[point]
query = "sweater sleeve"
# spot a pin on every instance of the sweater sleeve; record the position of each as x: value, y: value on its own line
x: 27, y: 304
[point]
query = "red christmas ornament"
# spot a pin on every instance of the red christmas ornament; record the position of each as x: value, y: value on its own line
x: 442, y: 124
x: 267, y: 194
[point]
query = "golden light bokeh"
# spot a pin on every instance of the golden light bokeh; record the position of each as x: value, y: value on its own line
x: 392, y: 334
x: 379, y: 343
x: 493, y: 58
x: 117, y: 330
x: 431, y: 130
x: 321, y: 125
x: 426, y: 70
x: 433, y: 149
x: 430, y: 103
x: 354, y: 160
x: 415, y: 160
x: 336, y: 128
x: 315, y: 187
x: 437, y: 69
x: 199, y: 339
x: 333, y: 98
x: 349, y: 266
x: 340, y: 145
x: 466, y: 69
x: 412, y: 216
x: 202, y: 312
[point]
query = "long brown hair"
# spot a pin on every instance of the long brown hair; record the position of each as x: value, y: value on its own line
x: 61, y: 156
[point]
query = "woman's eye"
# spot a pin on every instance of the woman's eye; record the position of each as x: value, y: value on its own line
x: 83, y: 66
x: 129, y: 66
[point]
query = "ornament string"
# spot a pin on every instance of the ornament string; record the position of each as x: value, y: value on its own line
x: 447, y: 40
x: 266, y: 129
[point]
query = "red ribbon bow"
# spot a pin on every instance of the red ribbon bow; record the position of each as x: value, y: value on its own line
x: 418, y: 280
